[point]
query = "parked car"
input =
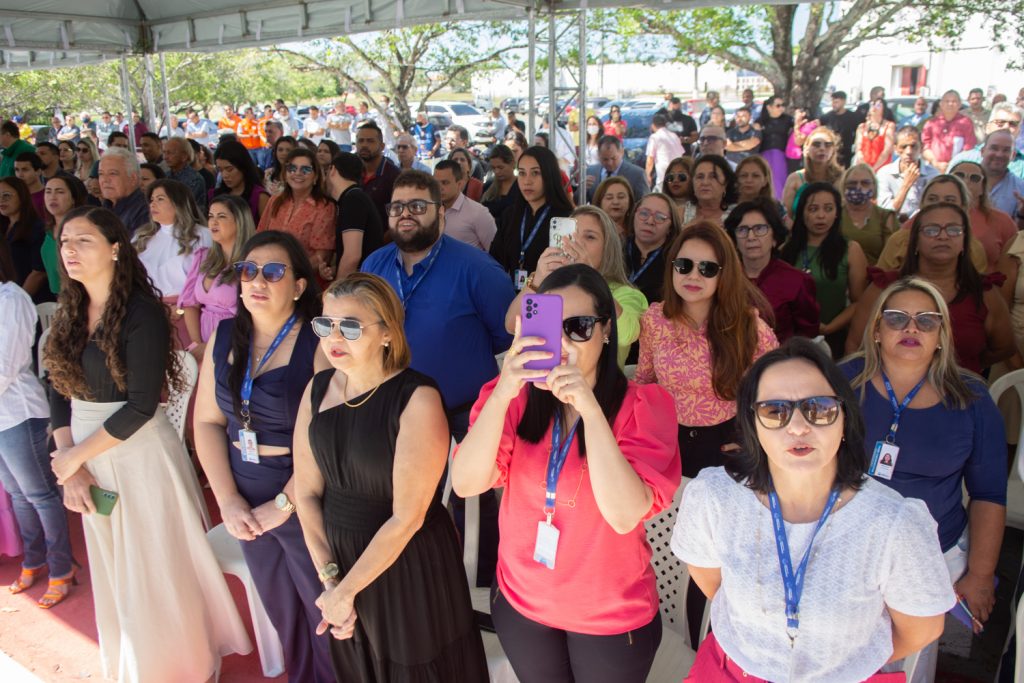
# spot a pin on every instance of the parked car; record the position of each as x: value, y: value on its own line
x: 465, y: 115
x: 638, y: 130
x: 903, y: 107
x: 514, y: 104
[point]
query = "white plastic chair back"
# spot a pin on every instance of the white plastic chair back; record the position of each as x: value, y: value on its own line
x: 630, y: 371
x: 1015, y: 485
x: 671, y: 575
x: 46, y: 312
x: 1018, y: 667
x: 41, y: 371
x: 177, y: 401
x: 820, y: 341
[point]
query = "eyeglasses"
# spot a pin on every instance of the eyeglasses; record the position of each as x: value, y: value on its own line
x: 970, y: 177
x: 272, y: 270
x: 759, y: 230
x: 705, y: 139
x: 646, y: 215
x: 403, y: 146
x: 676, y: 177
x: 304, y: 170
x: 580, y: 328
x: 823, y: 144
x: 934, y: 230
x: 819, y: 411
x: 1005, y: 123
x: 417, y: 207
x: 708, y: 269
x: 926, y: 321
x: 350, y: 329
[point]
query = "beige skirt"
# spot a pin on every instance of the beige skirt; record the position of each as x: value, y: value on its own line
x: 163, y: 609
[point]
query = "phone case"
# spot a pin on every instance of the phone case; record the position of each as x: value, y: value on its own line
x: 561, y: 227
x: 103, y: 499
x: 542, y: 317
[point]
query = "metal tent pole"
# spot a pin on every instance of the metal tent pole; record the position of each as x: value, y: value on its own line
x: 552, y: 74
x: 126, y: 94
x: 531, y: 125
x: 581, y: 108
x: 150, y: 98
x: 167, y: 94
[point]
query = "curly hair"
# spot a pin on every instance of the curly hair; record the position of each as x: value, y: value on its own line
x: 70, y: 328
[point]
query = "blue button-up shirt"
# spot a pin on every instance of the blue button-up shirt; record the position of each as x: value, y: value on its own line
x: 455, y: 304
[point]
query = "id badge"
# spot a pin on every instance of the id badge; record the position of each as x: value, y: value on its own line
x: 519, y: 278
x: 247, y: 444
x: 883, y: 462
x: 547, y: 544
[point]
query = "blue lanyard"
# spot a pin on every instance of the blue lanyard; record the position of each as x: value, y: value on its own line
x: 898, y: 408
x: 559, y: 452
x: 247, y: 380
x: 793, y: 582
x: 647, y: 264
x: 527, y: 241
x: 807, y: 261
x: 426, y: 269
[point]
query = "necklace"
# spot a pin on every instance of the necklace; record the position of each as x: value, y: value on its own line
x: 368, y: 397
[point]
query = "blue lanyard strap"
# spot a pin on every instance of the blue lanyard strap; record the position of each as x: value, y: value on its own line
x: 418, y: 281
x: 647, y: 264
x: 793, y: 581
x: 556, y: 461
x: 898, y: 408
x: 247, y: 380
x: 527, y: 241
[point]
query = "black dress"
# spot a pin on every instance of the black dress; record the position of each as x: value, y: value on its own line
x: 415, y: 621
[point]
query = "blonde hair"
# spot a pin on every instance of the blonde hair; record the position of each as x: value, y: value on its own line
x: 943, y: 373
x: 860, y: 167
x: 612, y: 266
x: 81, y: 170
x: 376, y: 294
x: 833, y: 171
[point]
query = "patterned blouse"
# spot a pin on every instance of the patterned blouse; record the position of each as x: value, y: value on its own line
x: 678, y: 358
x: 312, y: 222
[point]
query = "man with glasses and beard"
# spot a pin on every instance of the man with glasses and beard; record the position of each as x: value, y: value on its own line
x: 455, y: 297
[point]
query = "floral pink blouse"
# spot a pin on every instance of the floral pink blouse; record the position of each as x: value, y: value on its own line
x: 678, y: 357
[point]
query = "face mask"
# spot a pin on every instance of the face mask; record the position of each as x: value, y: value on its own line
x: 855, y: 195
x: 592, y: 130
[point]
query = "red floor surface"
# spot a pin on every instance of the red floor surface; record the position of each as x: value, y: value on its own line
x: 60, y: 644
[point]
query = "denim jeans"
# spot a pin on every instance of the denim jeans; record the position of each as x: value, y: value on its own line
x: 25, y: 473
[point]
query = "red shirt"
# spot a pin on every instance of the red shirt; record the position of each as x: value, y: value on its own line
x: 602, y: 583
x: 791, y: 293
x: 938, y: 134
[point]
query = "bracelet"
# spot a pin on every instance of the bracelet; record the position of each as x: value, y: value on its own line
x: 191, y: 346
x: 179, y: 311
x: 529, y: 281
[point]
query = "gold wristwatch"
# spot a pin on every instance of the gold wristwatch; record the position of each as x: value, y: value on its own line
x: 283, y: 503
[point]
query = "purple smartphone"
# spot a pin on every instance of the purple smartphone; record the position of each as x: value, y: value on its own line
x: 542, y: 317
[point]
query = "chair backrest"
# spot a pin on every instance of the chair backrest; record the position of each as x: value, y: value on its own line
x: 1015, y: 380
x: 1018, y: 666
x: 177, y: 401
x: 46, y: 312
x: 671, y: 575
x: 630, y: 371
x: 40, y: 370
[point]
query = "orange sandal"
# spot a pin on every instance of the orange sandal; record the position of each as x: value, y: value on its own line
x: 26, y: 580
x: 54, y: 595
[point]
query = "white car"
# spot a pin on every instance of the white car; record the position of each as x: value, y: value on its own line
x: 465, y: 115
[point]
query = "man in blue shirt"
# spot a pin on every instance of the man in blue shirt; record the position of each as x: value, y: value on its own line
x: 427, y: 135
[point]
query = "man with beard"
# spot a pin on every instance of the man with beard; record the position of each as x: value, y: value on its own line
x: 455, y: 297
x: 378, y: 172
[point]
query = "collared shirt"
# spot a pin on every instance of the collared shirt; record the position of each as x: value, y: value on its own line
x: 311, y: 222
x: 168, y: 268
x: 734, y: 134
x: 890, y: 180
x: 103, y: 131
x: 189, y: 177
x: 1003, y: 195
x: 249, y: 134
x: 204, y: 129
x: 380, y: 186
x: 21, y: 395
x: 133, y: 210
x: 974, y: 156
x: 940, y: 136
x: 457, y: 310
x: 314, y: 128
x: 342, y: 137
x: 470, y: 222
x: 9, y: 154
x: 663, y: 146
x: 70, y: 130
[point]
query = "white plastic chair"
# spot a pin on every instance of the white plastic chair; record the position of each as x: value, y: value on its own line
x: 40, y: 370
x: 228, y: 551
x: 1018, y: 666
x: 630, y: 371
x: 1015, y: 485
x: 46, y: 312
x: 177, y: 401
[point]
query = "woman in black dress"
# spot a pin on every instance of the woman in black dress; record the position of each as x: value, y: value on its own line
x: 371, y: 442
x: 775, y: 125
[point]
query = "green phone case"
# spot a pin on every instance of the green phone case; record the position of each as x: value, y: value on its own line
x: 103, y: 500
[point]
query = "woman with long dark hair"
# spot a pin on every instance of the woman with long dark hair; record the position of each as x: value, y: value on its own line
x: 523, y: 230
x: 615, y: 125
x: 472, y: 188
x: 816, y: 245
x: 654, y: 224
x: 273, y: 177
x: 303, y: 208
x: 325, y: 153
x: 239, y: 176
x: 502, y: 191
x: 678, y: 177
x: 776, y: 126
x: 256, y: 367
x: 68, y: 156
x: 608, y: 448
x: 615, y: 197
x: 110, y: 355
x: 23, y: 229
x: 713, y: 191
x: 61, y: 194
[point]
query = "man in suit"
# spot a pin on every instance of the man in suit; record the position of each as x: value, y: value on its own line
x: 611, y: 162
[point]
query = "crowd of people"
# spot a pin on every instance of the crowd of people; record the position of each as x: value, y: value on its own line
x: 782, y: 324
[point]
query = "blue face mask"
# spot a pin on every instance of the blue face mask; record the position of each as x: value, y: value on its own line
x: 857, y: 196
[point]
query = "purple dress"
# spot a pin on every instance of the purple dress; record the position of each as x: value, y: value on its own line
x: 218, y: 303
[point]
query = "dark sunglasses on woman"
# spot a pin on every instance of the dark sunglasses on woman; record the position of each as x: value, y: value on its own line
x: 819, y: 411
x: 708, y: 269
x: 272, y: 271
x: 580, y: 328
x: 926, y: 321
x: 350, y: 329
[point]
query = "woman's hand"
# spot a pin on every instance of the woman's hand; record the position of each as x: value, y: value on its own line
x: 268, y: 516
x: 65, y: 464
x: 77, y: 496
x: 980, y: 594
x: 239, y: 519
x: 569, y: 385
x: 338, y: 614
x: 551, y: 259
x: 513, y: 375
x: 576, y: 253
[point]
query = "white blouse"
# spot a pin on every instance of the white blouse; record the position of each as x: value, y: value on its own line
x: 21, y: 394
x: 879, y: 550
x: 166, y: 267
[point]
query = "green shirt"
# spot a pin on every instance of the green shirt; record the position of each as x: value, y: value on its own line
x: 831, y: 294
x: 873, y: 235
x: 50, y: 254
x: 9, y: 154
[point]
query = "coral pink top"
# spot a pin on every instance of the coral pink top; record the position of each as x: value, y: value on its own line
x: 678, y: 357
x: 602, y: 583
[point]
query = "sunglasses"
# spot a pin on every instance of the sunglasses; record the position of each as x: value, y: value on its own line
x: 646, y: 215
x: 580, y: 328
x: 819, y: 411
x: 676, y: 177
x: 304, y: 170
x: 1005, y: 123
x: 417, y: 207
x: 934, y: 230
x: 708, y: 269
x: 972, y: 177
x: 759, y: 230
x: 272, y: 271
x: 84, y: 149
x: 403, y: 146
x: 823, y: 144
x: 897, y: 320
x: 350, y: 329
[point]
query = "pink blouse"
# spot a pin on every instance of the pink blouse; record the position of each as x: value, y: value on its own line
x: 678, y: 357
x: 218, y: 303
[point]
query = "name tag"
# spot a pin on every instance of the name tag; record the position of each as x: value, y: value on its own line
x: 883, y: 461
x: 248, y: 445
x: 519, y: 278
x: 547, y: 544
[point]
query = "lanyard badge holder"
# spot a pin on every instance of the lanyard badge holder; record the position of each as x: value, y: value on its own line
x: 247, y: 442
x: 520, y: 275
x: 883, y: 459
x: 546, y: 547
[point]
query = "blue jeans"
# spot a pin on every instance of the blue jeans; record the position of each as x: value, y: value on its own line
x: 25, y: 473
